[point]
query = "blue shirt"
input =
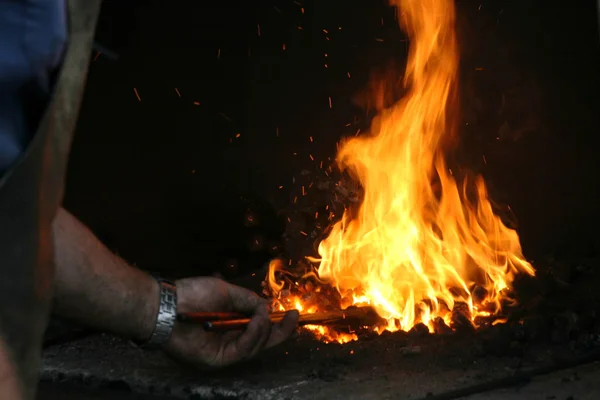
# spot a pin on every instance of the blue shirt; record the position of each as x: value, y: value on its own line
x: 33, y: 37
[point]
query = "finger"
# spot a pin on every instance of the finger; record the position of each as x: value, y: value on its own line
x: 264, y: 337
x: 283, y: 330
x: 245, y: 345
x: 246, y: 301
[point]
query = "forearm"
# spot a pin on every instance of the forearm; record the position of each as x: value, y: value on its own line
x: 98, y: 288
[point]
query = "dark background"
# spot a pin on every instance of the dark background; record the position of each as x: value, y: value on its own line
x: 167, y: 184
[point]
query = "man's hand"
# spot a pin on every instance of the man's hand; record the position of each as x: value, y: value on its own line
x: 100, y: 289
x: 192, y: 344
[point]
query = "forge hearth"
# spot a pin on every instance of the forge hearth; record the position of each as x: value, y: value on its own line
x: 555, y: 327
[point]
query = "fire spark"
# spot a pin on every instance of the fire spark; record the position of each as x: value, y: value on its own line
x: 422, y: 243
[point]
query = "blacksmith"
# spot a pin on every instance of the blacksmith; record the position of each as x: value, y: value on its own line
x: 48, y: 259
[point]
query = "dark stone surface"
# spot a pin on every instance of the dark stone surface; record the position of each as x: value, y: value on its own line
x: 387, y: 366
x: 577, y: 383
x: 71, y: 391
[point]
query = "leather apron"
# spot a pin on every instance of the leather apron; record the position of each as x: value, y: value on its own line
x: 30, y: 194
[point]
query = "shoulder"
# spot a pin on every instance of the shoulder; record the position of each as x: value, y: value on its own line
x: 33, y: 38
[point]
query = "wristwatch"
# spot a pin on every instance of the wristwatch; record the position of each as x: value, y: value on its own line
x: 166, y: 317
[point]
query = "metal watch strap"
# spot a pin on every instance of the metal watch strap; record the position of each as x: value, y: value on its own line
x: 167, y: 315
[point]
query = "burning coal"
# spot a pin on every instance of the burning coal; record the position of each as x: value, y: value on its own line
x: 423, y: 244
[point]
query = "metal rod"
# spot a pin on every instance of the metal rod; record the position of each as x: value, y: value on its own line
x: 234, y: 321
x: 202, y: 317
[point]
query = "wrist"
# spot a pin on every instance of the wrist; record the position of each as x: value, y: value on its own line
x: 164, y: 317
x: 150, y: 308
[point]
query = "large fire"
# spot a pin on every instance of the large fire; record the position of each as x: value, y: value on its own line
x: 422, y: 242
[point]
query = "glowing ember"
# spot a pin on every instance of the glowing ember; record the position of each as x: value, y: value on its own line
x: 424, y: 246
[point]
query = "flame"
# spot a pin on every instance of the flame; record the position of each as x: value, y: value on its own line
x: 422, y: 242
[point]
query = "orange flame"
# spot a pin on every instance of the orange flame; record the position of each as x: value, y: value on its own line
x: 421, y: 242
